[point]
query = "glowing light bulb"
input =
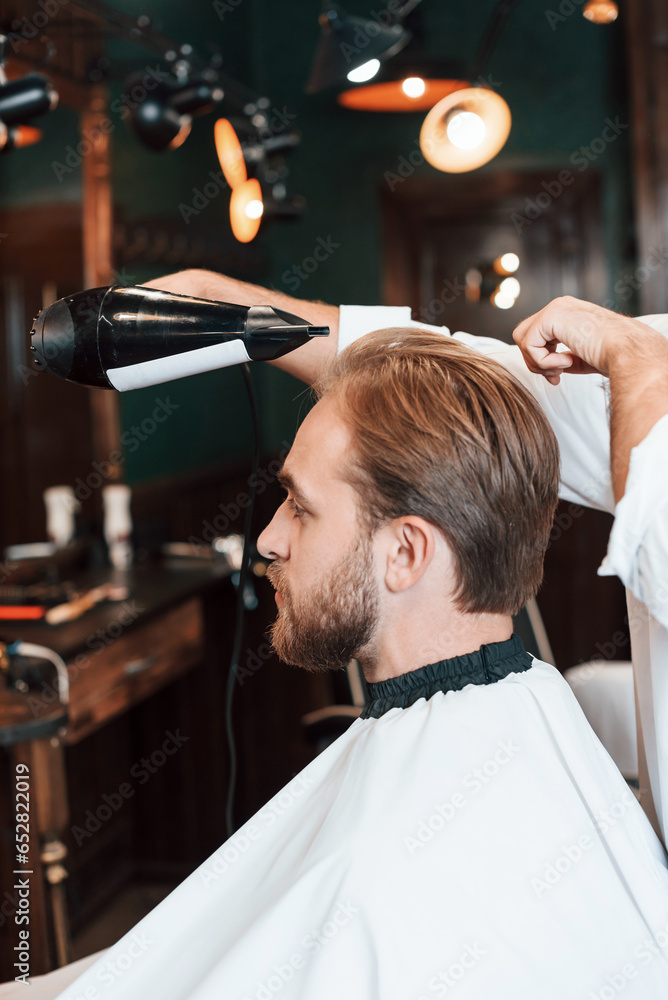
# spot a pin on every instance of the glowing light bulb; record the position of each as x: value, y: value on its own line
x: 414, y: 86
x: 502, y: 301
x: 466, y: 130
x: 254, y: 209
x: 507, y: 263
x: 365, y: 71
x: 510, y: 287
x: 601, y: 11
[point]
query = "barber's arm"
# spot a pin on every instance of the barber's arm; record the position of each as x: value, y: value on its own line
x: 570, y: 407
x: 635, y: 358
x: 307, y: 362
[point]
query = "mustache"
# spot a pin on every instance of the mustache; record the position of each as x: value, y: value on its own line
x: 276, y: 575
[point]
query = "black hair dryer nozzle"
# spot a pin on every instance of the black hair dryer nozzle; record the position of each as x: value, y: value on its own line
x: 131, y: 337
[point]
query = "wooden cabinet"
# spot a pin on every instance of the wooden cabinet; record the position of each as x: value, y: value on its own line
x: 117, y: 673
x: 118, y: 656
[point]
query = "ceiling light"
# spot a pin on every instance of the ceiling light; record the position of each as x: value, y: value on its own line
x: 244, y: 146
x: 601, y: 11
x: 347, y: 43
x: 408, y: 82
x: 364, y: 72
x: 467, y: 124
x: 18, y: 136
x: 390, y: 95
x: 164, y: 119
x: 414, y: 87
x: 510, y: 287
x: 20, y: 100
x: 506, y: 263
x: 465, y: 129
x: 392, y: 92
x: 241, y: 144
x: 230, y: 153
x: 474, y: 107
x: 245, y: 215
x: 502, y: 301
x: 26, y: 97
x: 254, y: 208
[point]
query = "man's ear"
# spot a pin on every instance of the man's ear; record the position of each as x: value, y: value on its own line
x: 411, y: 545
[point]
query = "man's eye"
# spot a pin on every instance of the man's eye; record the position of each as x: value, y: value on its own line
x: 294, y: 507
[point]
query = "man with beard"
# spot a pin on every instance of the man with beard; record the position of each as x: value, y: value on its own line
x: 593, y: 468
x: 468, y: 835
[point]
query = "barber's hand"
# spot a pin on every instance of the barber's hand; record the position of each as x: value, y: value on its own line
x: 593, y: 336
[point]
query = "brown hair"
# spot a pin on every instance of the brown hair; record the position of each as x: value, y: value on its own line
x: 445, y: 433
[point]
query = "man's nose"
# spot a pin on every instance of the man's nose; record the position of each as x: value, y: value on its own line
x: 272, y: 543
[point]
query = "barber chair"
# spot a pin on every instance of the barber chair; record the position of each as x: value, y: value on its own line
x: 325, y: 725
x: 604, y: 690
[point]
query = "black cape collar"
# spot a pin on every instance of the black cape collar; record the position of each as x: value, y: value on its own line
x: 486, y: 665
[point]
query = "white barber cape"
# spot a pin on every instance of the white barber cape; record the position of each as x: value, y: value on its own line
x: 470, y: 837
x: 638, y: 548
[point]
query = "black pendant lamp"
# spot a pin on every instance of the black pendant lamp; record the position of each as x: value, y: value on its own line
x: 348, y: 43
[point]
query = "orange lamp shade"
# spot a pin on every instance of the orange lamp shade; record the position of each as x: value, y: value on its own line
x: 246, y: 208
x: 392, y: 95
x: 601, y: 11
x: 465, y: 130
x: 230, y: 153
x: 26, y: 135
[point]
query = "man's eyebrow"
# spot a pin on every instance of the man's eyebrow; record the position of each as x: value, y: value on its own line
x: 286, y: 479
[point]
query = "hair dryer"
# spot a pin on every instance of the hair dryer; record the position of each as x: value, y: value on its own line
x: 131, y: 337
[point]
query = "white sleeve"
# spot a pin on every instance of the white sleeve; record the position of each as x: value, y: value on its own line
x: 576, y: 408
x: 356, y: 321
x: 638, y: 546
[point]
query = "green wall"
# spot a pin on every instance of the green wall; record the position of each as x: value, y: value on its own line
x: 28, y: 177
x: 561, y: 81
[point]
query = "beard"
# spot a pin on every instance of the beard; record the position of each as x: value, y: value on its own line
x: 337, y: 620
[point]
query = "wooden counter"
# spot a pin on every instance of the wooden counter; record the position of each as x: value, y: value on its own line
x: 118, y: 654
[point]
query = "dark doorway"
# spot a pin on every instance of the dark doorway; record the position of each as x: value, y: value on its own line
x: 438, y: 229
